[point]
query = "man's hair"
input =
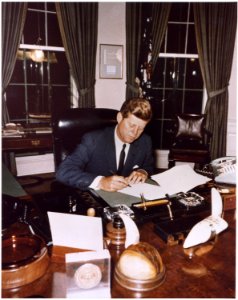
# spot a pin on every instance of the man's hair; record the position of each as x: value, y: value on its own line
x: 139, y: 107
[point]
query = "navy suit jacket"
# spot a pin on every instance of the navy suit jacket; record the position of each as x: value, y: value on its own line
x: 96, y: 155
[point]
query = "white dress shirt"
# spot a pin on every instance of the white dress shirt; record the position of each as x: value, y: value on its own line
x: 118, y: 147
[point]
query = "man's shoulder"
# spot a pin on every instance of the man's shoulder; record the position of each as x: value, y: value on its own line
x: 144, y: 137
x: 143, y: 141
x: 100, y: 132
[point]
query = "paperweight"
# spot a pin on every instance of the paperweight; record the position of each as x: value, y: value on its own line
x: 140, y: 268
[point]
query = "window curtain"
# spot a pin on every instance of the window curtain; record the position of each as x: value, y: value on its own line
x: 133, y: 42
x: 160, y: 15
x: 78, y: 23
x: 215, y: 27
x: 13, y: 20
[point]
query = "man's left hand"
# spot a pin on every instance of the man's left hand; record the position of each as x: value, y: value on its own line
x: 137, y: 176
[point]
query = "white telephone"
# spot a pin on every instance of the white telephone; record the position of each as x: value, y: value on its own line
x: 224, y: 170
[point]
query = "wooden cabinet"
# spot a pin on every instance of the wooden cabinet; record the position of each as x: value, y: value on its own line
x: 26, y: 143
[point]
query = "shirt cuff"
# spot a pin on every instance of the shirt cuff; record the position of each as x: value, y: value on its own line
x: 94, y: 184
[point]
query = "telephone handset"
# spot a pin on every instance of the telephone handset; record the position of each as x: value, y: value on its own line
x: 224, y: 169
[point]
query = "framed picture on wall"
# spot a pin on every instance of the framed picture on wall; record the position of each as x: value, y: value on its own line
x: 111, y: 61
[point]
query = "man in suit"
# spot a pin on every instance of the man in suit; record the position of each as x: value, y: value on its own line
x: 97, y: 161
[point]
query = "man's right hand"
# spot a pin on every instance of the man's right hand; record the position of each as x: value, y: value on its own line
x: 112, y: 183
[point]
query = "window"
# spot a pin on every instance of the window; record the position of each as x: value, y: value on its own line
x: 39, y: 87
x: 177, y: 84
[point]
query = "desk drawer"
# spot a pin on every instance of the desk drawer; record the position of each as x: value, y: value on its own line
x: 37, y: 142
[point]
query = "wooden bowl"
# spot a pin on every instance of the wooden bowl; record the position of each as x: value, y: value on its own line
x: 24, y: 259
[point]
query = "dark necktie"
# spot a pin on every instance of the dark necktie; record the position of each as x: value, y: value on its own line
x: 121, y: 160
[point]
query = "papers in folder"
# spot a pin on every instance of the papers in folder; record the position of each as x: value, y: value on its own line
x: 177, y: 179
x: 150, y: 191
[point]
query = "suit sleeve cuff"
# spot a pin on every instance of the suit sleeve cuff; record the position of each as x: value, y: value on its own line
x: 94, y: 184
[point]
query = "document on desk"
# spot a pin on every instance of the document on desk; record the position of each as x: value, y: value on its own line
x: 76, y: 231
x: 175, y: 180
x: 150, y: 191
x: 180, y: 178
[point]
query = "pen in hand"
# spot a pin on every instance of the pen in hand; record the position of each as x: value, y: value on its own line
x: 115, y: 174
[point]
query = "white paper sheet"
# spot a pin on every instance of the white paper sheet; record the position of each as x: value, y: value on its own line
x: 175, y: 180
x: 149, y: 191
x: 179, y: 179
x: 76, y: 231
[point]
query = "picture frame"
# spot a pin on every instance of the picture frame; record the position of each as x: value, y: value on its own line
x: 111, y: 61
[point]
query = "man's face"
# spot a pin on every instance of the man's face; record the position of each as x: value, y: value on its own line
x: 129, y: 129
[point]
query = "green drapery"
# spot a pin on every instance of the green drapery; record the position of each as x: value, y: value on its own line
x: 133, y: 42
x: 13, y: 20
x: 160, y: 15
x: 78, y: 22
x: 215, y: 27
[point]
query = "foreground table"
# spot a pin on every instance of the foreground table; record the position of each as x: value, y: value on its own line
x: 211, y: 275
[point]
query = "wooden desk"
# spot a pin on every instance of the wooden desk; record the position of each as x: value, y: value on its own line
x: 209, y: 276
x: 26, y: 143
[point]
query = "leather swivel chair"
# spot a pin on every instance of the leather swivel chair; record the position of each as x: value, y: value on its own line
x: 191, y: 141
x: 68, y: 129
x: 72, y: 124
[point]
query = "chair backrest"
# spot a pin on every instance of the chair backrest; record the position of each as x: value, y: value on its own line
x: 190, y: 127
x: 72, y: 124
